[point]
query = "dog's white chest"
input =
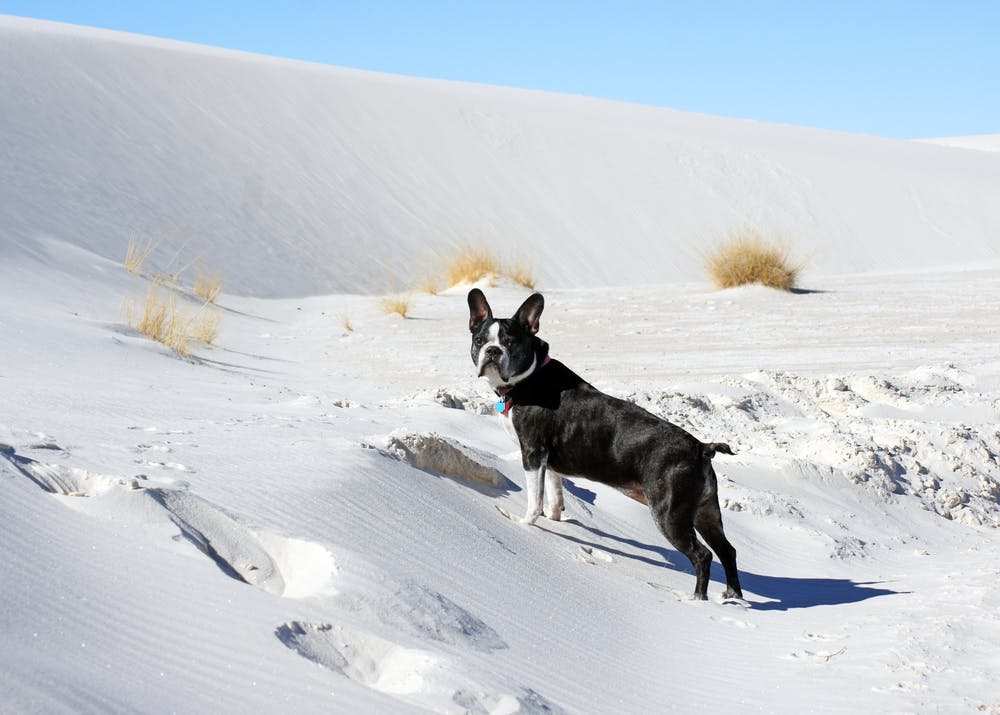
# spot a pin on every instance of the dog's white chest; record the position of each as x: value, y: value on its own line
x: 507, y: 421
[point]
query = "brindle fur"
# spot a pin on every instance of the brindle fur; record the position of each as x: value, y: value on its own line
x: 565, y: 424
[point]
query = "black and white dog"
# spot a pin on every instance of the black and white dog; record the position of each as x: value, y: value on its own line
x: 567, y: 426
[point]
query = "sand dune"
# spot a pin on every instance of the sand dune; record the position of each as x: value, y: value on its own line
x: 305, y: 516
x: 299, y: 179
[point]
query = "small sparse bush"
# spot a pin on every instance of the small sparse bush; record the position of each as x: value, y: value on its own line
x: 208, y: 286
x: 398, y: 304
x: 160, y: 320
x: 430, y: 285
x: 523, y: 275
x: 473, y: 264
x: 204, y: 326
x: 137, y: 252
x: 745, y: 257
x: 175, y: 269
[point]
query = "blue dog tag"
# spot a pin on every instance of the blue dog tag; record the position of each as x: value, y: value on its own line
x: 501, y: 406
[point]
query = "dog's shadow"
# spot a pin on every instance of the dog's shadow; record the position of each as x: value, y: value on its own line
x: 784, y: 592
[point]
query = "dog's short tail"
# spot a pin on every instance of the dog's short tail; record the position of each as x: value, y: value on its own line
x: 712, y: 447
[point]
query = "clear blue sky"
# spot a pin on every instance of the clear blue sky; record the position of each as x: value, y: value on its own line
x: 895, y: 68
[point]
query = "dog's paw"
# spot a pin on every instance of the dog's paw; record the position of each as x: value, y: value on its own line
x: 732, y: 596
x: 525, y: 520
x: 734, y: 601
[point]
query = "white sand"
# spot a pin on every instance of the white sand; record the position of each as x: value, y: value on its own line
x: 244, y: 531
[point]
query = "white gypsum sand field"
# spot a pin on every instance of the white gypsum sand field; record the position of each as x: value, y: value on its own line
x: 249, y: 530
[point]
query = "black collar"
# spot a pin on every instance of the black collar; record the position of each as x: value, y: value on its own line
x: 506, y: 392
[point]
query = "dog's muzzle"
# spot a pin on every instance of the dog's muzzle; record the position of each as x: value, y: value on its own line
x: 492, y: 357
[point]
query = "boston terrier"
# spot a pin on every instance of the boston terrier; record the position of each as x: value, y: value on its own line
x: 566, y: 426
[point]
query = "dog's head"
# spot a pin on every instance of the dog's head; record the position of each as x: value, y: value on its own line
x: 507, y: 350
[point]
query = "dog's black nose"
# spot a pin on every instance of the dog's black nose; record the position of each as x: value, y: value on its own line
x: 493, y: 352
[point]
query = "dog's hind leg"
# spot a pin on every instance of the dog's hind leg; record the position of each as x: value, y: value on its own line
x: 675, y: 518
x: 708, y: 522
x: 553, y: 495
x: 680, y: 533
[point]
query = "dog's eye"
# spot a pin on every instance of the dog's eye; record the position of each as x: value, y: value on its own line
x: 478, y: 341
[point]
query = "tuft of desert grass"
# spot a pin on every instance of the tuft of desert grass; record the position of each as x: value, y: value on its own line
x: 398, y: 304
x: 430, y: 285
x: 745, y: 256
x: 348, y: 325
x: 175, y: 269
x: 471, y: 264
x: 159, y: 319
x: 137, y: 252
x: 204, y: 326
x: 523, y: 274
x: 208, y: 285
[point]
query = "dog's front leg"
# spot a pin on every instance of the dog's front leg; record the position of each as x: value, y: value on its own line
x: 534, y: 483
x: 553, y: 495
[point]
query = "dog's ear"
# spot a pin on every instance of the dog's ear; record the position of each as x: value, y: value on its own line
x: 530, y: 311
x: 479, y: 309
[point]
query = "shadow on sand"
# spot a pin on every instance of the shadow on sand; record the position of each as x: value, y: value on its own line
x: 783, y: 593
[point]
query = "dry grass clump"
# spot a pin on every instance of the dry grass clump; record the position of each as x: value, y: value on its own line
x: 208, y: 285
x: 430, y: 285
x: 161, y: 320
x: 398, y: 304
x: 523, y: 275
x: 471, y: 264
x: 204, y: 326
x: 745, y: 257
x: 159, y: 317
x: 137, y: 252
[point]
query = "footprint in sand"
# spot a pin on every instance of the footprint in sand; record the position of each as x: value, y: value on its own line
x: 158, y: 447
x: 418, y: 677
x: 57, y: 479
x: 157, y: 430
x: 823, y: 656
x: 276, y: 564
x: 422, y: 613
x: 734, y: 622
x: 593, y: 556
x: 175, y: 466
x: 818, y: 637
x: 33, y: 441
x: 46, y: 443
